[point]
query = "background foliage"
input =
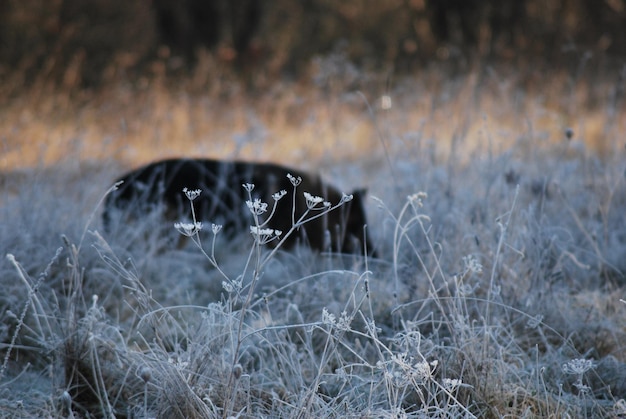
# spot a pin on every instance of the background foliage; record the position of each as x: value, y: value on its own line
x: 84, y: 43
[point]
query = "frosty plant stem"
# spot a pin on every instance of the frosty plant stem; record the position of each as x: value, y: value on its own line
x: 262, y: 235
x: 312, y: 203
x: 493, y: 288
x: 192, y: 230
x: 32, y: 298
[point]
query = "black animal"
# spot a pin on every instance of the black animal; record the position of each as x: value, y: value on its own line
x: 223, y: 200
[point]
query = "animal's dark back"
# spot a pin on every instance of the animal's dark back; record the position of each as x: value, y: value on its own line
x: 222, y: 200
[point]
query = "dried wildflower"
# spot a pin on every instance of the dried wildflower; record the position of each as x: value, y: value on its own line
x: 472, y: 264
x: 403, y: 370
x: 257, y: 207
x: 328, y: 318
x: 577, y: 366
x: 278, y: 195
x: 178, y: 363
x: 264, y: 235
x: 192, y: 193
x: 346, y: 198
x: 264, y: 231
x: 216, y: 228
x: 228, y: 287
x: 312, y: 201
x: 423, y: 370
x: 418, y: 198
x: 231, y: 286
x: 452, y: 383
x: 248, y: 186
x: 295, y: 181
x: 344, y: 321
x: 188, y: 229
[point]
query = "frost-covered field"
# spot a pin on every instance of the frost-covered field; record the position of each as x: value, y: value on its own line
x: 498, y: 213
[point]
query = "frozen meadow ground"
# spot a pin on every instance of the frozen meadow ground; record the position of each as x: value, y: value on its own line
x: 497, y: 290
